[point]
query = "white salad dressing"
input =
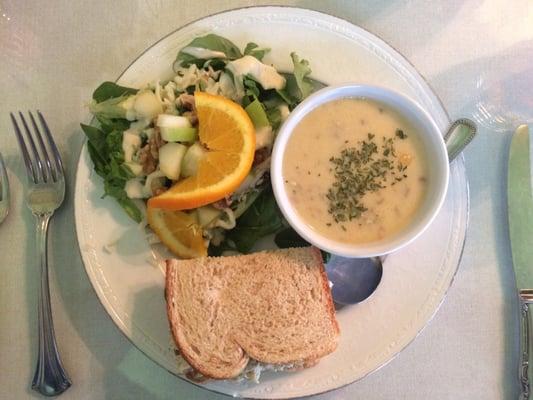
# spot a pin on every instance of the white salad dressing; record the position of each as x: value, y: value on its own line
x: 131, y: 142
x: 264, y: 137
x: 266, y: 75
x: 201, y: 53
x: 284, y: 111
x: 227, y: 87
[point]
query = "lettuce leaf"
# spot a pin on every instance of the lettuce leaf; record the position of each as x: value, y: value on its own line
x: 299, y: 83
x: 105, y: 150
x: 107, y: 105
x: 210, y: 42
x: 274, y: 117
x: 252, y: 88
x: 262, y: 218
x: 109, y: 109
x: 252, y: 49
x: 301, y: 74
x: 289, y: 238
x: 108, y: 90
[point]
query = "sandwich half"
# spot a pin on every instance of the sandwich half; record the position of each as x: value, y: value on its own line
x: 273, y: 306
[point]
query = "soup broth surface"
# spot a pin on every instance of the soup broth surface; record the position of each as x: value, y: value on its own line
x: 355, y: 171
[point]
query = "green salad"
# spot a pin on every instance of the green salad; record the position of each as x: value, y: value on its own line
x: 133, y: 126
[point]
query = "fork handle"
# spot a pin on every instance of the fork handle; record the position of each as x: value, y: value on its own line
x: 525, y: 301
x: 50, y: 378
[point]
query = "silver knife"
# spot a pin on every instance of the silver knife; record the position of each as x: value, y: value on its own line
x: 520, y: 208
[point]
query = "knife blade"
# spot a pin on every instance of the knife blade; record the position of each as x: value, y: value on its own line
x: 520, y: 210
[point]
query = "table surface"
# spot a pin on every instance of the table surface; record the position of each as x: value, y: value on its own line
x: 478, y: 57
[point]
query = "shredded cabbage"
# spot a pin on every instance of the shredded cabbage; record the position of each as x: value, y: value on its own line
x: 227, y: 220
x: 127, y: 146
x: 193, y: 76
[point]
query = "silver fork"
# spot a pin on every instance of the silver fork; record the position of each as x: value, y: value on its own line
x: 4, y: 191
x: 45, y: 193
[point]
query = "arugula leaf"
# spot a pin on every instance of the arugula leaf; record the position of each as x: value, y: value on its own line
x: 105, y: 150
x: 108, y: 90
x: 247, y: 200
x: 98, y: 161
x: 131, y: 208
x: 112, y: 188
x: 108, y: 106
x: 186, y: 60
x: 216, y: 63
x: 289, y: 238
x: 301, y: 73
x: 291, y: 93
x: 210, y: 42
x: 252, y: 49
x: 113, y: 141
x: 274, y: 117
x: 108, y: 125
x: 252, y: 88
x: 95, y: 136
x: 272, y: 101
x: 217, y: 251
x: 109, y: 109
x: 299, y: 84
x: 262, y: 103
x: 262, y: 218
x: 285, y: 96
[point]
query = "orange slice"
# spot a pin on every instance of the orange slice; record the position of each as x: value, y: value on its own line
x: 228, y: 134
x: 179, y: 231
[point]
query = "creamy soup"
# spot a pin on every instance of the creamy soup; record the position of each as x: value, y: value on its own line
x: 355, y: 171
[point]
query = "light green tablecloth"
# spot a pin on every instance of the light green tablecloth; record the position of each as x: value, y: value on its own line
x: 478, y: 56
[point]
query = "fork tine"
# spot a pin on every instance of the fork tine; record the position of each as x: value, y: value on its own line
x: 37, y: 158
x: 4, y: 182
x: 50, y: 172
x: 52, y: 144
x: 27, y: 161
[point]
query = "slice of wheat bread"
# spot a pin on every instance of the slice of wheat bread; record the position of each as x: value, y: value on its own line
x: 273, y: 306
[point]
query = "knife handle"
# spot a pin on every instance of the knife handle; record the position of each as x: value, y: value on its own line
x: 525, y: 300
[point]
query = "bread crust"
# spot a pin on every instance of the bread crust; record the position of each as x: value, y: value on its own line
x: 174, y: 328
x: 172, y: 267
x: 327, y: 290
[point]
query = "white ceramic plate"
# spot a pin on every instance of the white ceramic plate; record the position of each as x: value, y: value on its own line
x: 415, y: 279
